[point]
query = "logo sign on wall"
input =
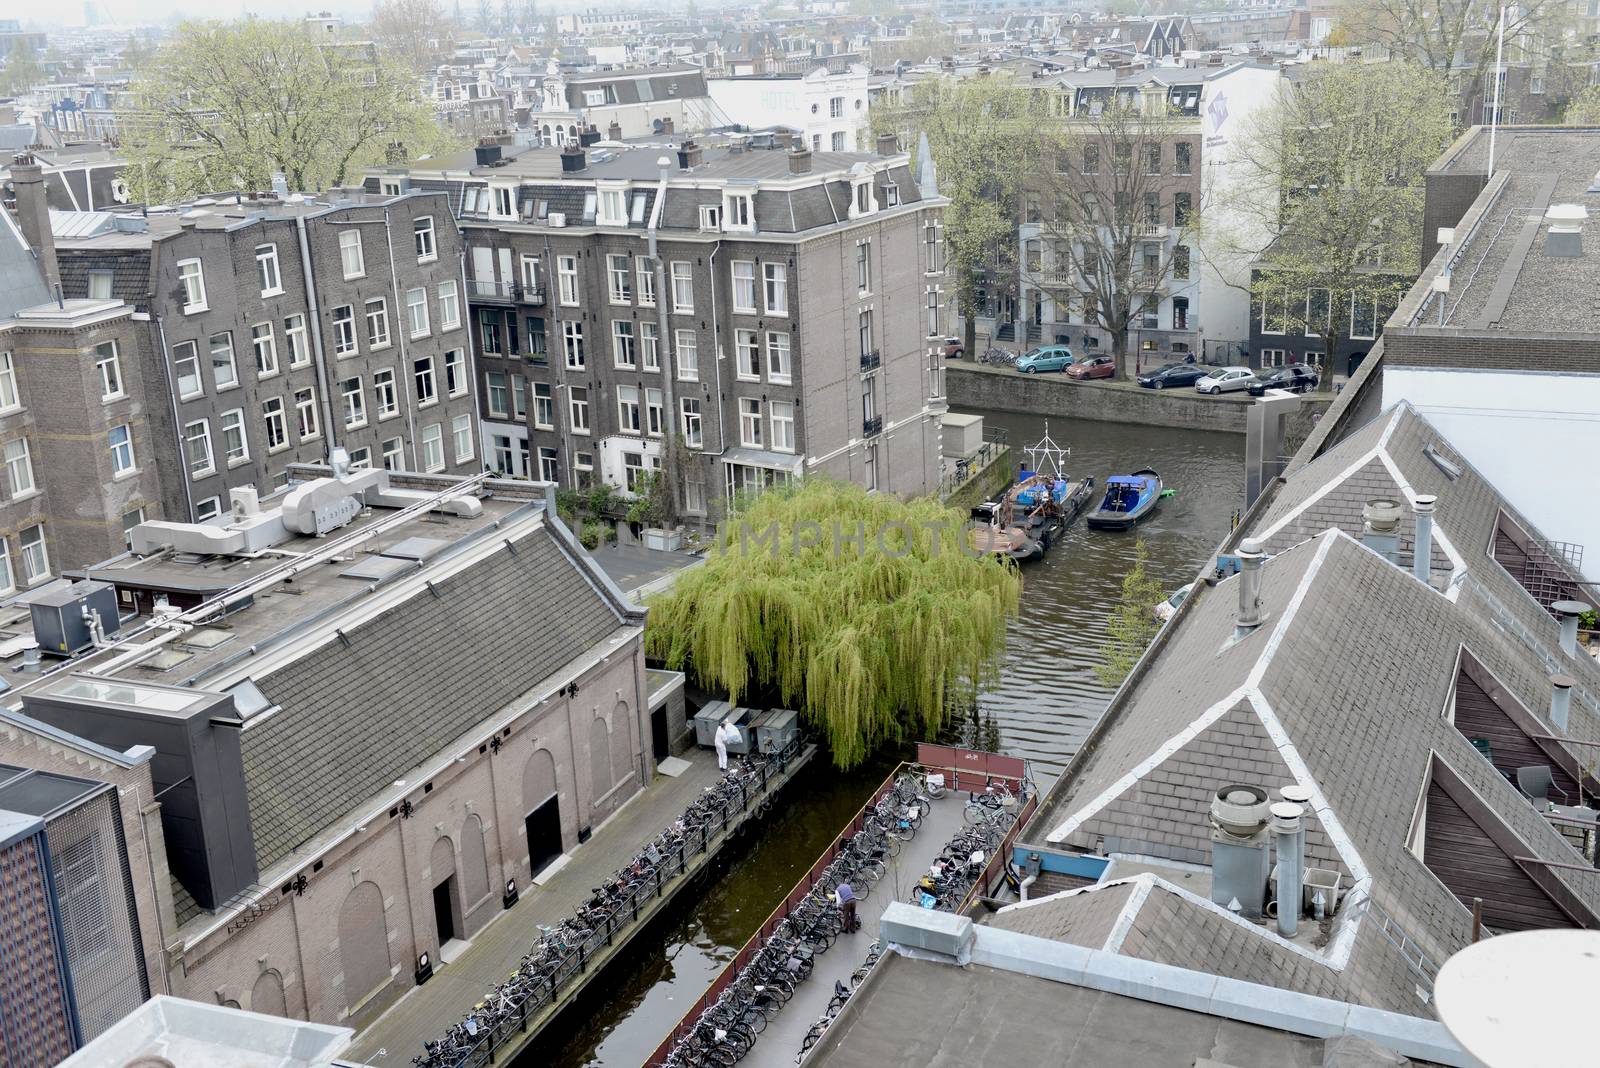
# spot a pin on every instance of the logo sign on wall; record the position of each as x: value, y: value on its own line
x: 1217, y: 121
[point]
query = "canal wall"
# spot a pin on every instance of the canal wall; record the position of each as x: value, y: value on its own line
x: 984, y: 484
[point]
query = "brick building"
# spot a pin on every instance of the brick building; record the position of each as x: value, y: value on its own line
x: 783, y: 328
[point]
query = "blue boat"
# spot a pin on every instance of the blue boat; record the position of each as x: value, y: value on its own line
x: 1128, y: 499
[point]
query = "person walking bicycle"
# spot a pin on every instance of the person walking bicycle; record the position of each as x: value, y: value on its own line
x: 845, y: 898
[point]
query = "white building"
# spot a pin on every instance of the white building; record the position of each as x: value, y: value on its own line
x: 830, y: 109
x: 590, y: 23
x: 641, y: 102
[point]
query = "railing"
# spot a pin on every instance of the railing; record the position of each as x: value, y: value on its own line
x: 970, y: 467
x: 871, y: 360
x: 531, y: 294
x: 871, y: 428
x: 489, y: 289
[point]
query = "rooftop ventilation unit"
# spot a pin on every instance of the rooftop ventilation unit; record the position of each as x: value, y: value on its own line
x: 1380, y: 528
x: 1564, y: 237
x: 1240, y: 859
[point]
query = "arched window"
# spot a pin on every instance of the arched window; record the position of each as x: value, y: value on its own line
x: 599, y: 758
x: 538, y: 779
x: 474, y: 862
x: 363, y: 943
x: 267, y: 995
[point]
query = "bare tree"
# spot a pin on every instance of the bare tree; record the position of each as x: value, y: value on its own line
x: 416, y: 33
x: 1116, y: 199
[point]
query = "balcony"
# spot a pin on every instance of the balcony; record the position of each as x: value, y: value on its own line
x: 871, y: 428
x: 870, y: 361
x: 530, y: 294
x: 487, y: 289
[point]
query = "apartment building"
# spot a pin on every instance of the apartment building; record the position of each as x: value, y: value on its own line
x: 829, y: 107
x: 783, y: 327
x: 633, y: 102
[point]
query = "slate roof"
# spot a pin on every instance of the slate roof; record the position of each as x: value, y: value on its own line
x: 359, y: 712
x: 130, y: 273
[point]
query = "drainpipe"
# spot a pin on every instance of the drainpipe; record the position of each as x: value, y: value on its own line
x: 1287, y: 827
x: 1422, y: 546
x: 1561, y: 700
x: 1022, y: 888
x: 316, y: 335
x: 1569, y: 611
x: 716, y: 349
x: 170, y: 375
x: 669, y: 417
x: 469, y: 351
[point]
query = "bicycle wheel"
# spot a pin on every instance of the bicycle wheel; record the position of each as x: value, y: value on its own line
x: 974, y: 813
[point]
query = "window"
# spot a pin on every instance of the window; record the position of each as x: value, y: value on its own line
x: 864, y: 331
x: 632, y: 471
x: 422, y: 239
x: 1152, y: 262
x: 1274, y: 313
x: 353, y: 402
x: 109, y: 369
x: 618, y: 276
x: 1152, y: 209
x: 549, y: 464
x: 120, y: 440
x: 838, y: 141
x: 1318, y: 310
x: 378, y: 323
x: 710, y: 217
x: 1180, y: 262
x: 417, y: 311
x: 836, y: 107
x: 1363, y: 318
x: 650, y: 346
x: 455, y: 372
x: 129, y: 521
x: 383, y: 389
x: 863, y: 204
x: 267, y: 270
x: 870, y: 468
x: 623, y: 350
x: 99, y: 285
x: 544, y: 406
x: 654, y: 412
x: 10, y: 399
x: 265, y: 347
x: 1152, y: 159
x: 361, y: 459
x: 683, y: 287
x: 628, y: 409
x: 1091, y: 159
x: 350, y: 257
x: 932, y: 295
x: 864, y: 267
x: 235, y: 447
x: 394, y: 454
x: 613, y: 207
x: 461, y: 438
x: 749, y: 349
x: 744, y: 286
x: 778, y: 367
x: 499, y: 398
x: 294, y: 335
x: 572, y: 345
x: 567, y: 280
x: 530, y: 272
x: 1180, y: 209
x: 35, y: 558
x: 737, y: 212
x: 750, y: 422
x: 223, y: 370
x: 305, y: 414
x: 687, y: 346
x: 344, y: 331
x: 211, y: 507
x: 427, y: 388
x: 782, y: 426
x: 196, y: 449
x: 692, y: 432
x: 578, y: 409
x: 869, y: 402
x: 645, y: 268
x: 1180, y: 162
x: 776, y: 285
x: 505, y: 202
x: 433, y: 447
x: 193, y: 280
x: 272, y: 416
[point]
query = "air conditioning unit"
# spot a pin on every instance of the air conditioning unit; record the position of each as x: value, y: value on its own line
x: 558, y: 218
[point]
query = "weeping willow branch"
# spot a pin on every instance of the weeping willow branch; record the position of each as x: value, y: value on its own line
x: 860, y: 610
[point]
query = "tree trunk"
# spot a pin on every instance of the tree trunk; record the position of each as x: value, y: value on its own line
x: 1119, y: 351
x: 969, y: 329
x: 1330, y: 350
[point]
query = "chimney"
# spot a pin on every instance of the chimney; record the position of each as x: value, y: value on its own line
x: 1564, y: 237
x: 614, y: 131
x: 1252, y: 553
x: 1569, y: 611
x: 573, y: 159
x: 800, y: 160
x: 1380, y: 528
x: 666, y: 127
x: 588, y: 135
x: 33, y: 214
x: 782, y: 139
x: 395, y: 154
x: 1289, y: 831
x: 1422, y: 545
x: 888, y: 144
x: 487, y: 155
x: 690, y: 155
x: 1561, y: 701
x: 1240, y: 860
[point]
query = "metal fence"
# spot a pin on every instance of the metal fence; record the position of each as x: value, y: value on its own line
x: 970, y: 467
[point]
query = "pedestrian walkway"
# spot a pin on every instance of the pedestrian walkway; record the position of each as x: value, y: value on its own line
x: 495, y: 951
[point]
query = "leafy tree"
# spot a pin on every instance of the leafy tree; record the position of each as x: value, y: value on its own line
x: 984, y: 136
x: 1133, y: 624
x: 22, y: 70
x: 223, y: 106
x: 1115, y: 218
x: 416, y: 33
x: 874, y: 640
x: 1335, y: 170
x: 1584, y: 109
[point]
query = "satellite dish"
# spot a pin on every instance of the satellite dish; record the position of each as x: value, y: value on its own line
x: 1522, y: 999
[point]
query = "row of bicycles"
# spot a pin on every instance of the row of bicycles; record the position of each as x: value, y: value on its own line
x: 562, y: 950
x: 726, y: 1030
x: 998, y: 357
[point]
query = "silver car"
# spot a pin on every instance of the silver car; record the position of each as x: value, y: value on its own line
x: 1226, y: 380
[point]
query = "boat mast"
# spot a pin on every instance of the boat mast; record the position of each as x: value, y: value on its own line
x: 1046, y: 451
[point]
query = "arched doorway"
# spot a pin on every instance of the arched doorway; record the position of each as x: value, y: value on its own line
x: 363, y: 943
x: 267, y: 995
x: 446, y: 905
x: 599, y: 759
x: 622, y: 763
x: 543, y: 808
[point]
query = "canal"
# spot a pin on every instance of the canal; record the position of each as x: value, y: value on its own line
x: 1046, y: 700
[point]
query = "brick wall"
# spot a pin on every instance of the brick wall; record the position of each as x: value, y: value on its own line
x: 1451, y: 347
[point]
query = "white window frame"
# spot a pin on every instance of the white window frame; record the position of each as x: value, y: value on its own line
x: 775, y: 288
x: 294, y: 335
x: 433, y: 448
x: 624, y: 345
x: 449, y: 305
x: 461, y: 438
x: 738, y: 212
x: 194, y: 286
x: 612, y: 207
x: 306, y: 423
x: 424, y: 381
x: 649, y: 346
x: 567, y: 292
x: 385, y: 393
x: 628, y: 410
x: 455, y: 372
x: 377, y: 315
x: 644, y: 286
x: 619, y: 278
x: 109, y: 369
x: 232, y: 421
x: 264, y: 347
x: 572, y: 351
x: 417, y: 312
x: 394, y: 454
x: 276, y: 421
x: 353, y: 402
x: 692, y: 422
x: 654, y: 412
x: 224, y: 373
x: 686, y: 353
x: 782, y: 425
x: 497, y: 394
x: 345, y: 343
x: 750, y: 423
x: 578, y: 409
x: 267, y: 272
x: 207, y: 464
x: 743, y: 275
x: 352, y: 257
x: 747, y: 350
x: 423, y: 239
x: 10, y: 395
x: 123, y: 463
x: 683, y: 287
x: 187, y: 352
x: 544, y: 406
x: 780, y: 366
x: 34, y: 571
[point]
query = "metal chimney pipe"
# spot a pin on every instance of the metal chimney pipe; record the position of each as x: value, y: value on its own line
x: 1561, y: 700
x: 1569, y: 611
x: 1422, y: 546
x: 1288, y: 829
x: 1380, y: 528
x: 1252, y: 553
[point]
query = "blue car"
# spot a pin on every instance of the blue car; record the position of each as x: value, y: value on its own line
x: 1046, y: 358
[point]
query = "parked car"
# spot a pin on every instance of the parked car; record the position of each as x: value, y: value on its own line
x: 1226, y: 380
x: 953, y: 348
x: 1294, y: 377
x: 1165, y: 610
x: 1094, y: 367
x: 1173, y: 374
x: 1046, y: 358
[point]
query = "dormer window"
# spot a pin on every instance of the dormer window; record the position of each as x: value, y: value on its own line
x: 863, y: 201
x: 505, y: 201
x: 613, y: 207
x: 710, y: 217
x: 738, y: 211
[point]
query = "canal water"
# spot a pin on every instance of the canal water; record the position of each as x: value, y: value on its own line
x: 1046, y: 700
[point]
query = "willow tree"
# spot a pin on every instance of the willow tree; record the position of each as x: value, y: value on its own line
x: 865, y: 612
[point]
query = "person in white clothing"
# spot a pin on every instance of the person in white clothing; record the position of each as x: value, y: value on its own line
x: 726, y: 734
